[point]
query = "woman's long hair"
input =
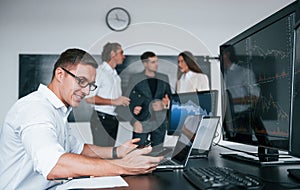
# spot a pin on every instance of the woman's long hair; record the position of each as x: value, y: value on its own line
x: 191, y: 62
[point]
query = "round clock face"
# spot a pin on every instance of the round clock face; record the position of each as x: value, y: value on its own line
x: 117, y: 19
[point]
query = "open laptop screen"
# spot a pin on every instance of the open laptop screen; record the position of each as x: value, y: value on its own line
x: 186, y: 139
x: 191, y: 103
x: 206, y: 133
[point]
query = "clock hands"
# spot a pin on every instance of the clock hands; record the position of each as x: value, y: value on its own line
x: 119, y: 19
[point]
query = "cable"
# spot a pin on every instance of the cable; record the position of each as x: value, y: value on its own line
x: 217, y: 135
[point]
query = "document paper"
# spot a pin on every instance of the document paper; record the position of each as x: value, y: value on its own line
x: 95, y: 182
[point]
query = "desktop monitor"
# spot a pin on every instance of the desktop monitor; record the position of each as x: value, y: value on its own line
x: 256, y: 95
x: 294, y: 146
x: 190, y: 103
x: 295, y: 109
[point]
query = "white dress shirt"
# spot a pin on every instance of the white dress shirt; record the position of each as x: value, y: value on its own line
x: 192, y: 81
x: 109, y: 86
x: 241, y: 82
x: 34, y: 135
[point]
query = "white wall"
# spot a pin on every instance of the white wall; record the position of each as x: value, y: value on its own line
x: 167, y: 27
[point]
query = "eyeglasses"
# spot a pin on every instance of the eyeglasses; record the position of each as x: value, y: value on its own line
x: 82, y: 82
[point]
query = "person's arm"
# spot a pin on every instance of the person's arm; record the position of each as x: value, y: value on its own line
x: 205, y: 83
x: 137, y: 110
x: 200, y: 82
x: 74, y: 165
x: 89, y: 163
x: 97, y: 100
x: 166, y: 102
x: 91, y: 150
x: 168, y: 94
x: 137, y: 127
x: 104, y: 86
x: 253, y: 91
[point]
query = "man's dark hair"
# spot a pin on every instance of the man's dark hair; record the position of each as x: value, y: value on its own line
x: 229, y: 49
x: 145, y: 56
x: 72, y: 57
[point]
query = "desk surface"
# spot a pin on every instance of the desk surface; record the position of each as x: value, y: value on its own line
x: 274, y: 177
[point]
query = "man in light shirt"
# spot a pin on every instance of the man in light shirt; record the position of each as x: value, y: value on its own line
x: 108, y: 95
x: 37, y: 146
x: 243, y: 95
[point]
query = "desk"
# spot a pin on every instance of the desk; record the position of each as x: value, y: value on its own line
x: 173, y: 180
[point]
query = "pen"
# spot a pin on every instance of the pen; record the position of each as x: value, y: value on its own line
x: 69, y: 178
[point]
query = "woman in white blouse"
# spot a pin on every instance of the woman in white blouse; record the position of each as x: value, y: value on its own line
x: 190, y: 76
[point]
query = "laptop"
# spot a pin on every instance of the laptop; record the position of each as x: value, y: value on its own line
x: 183, y: 147
x: 205, y: 135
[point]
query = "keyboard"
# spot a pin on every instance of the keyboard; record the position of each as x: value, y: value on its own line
x: 161, y: 152
x: 220, y: 178
x: 165, y: 162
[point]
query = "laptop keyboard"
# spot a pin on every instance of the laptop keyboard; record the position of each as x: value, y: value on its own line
x: 162, y: 152
x: 165, y: 162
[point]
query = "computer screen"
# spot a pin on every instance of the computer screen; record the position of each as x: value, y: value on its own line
x: 295, y: 109
x: 190, y: 103
x: 294, y: 146
x: 256, y: 95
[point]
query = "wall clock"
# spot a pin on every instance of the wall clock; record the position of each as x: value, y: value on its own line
x: 118, y: 19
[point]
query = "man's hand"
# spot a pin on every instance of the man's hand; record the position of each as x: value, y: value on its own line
x: 127, y: 147
x: 137, y: 110
x: 166, y: 101
x: 136, y: 162
x: 121, y: 101
x: 137, y: 127
x: 157, y: 105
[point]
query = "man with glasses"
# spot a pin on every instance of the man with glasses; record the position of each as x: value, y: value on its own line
x: 37, y: 146
x: 108, y: 95
x: 149, y: 93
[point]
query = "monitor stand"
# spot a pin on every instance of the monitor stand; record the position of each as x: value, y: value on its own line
x: 264, y: 156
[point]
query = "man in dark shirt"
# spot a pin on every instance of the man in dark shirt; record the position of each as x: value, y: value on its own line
x: 149, y: 94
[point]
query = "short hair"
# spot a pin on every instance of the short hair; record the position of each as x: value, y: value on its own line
x: 145, y: 56
x: 229, y: 49
x: 107, y: 49
x: 73, y: 57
